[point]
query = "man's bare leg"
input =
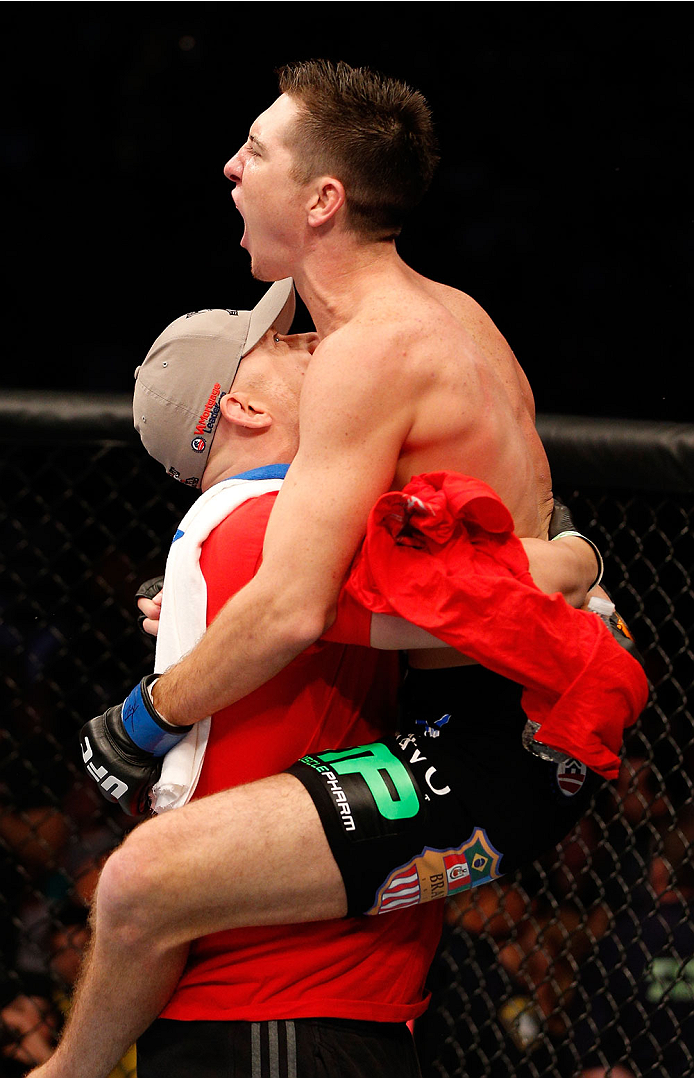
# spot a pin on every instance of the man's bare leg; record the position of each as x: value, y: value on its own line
x: 253, y: 855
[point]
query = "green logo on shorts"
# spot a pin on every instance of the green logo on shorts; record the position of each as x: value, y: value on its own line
x: 387, y: 777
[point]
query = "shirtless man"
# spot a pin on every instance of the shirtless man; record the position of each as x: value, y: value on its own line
x: 409, y: 376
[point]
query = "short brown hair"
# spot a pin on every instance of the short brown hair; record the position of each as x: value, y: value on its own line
x: 373, y: 133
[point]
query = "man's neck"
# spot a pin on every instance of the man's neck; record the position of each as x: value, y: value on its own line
x: 225, y: 465
x: 334, y: 280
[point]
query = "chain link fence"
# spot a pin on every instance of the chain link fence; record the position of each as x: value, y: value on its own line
x: 579, y: 966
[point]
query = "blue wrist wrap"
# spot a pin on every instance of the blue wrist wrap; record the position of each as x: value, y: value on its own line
x: 144, y: 730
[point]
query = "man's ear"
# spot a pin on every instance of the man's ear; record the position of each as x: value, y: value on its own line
x: 327, y: 197
x: 244, y: 410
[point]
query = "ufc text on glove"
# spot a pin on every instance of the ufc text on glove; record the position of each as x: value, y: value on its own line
x: 122, y: 749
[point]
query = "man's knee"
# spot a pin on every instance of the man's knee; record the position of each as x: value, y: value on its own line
x: 129, y: 892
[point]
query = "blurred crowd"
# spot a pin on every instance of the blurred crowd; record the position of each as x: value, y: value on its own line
x: 55, y: 829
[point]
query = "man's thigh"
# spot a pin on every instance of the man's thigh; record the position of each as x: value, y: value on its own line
x: 252, y: 855
x: 301, y: 1048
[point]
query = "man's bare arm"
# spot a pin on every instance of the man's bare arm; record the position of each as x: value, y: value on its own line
x: 567, y: 566
x: 349, y: 450
x: 347, y: 458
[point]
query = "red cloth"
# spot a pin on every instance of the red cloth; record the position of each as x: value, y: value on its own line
x: 442, y: 554
x: 352, y: 623
x: 332, y: 695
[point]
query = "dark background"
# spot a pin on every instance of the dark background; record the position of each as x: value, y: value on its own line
x: 563, y: 202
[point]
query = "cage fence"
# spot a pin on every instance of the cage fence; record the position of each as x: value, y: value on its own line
x: 582, y: 964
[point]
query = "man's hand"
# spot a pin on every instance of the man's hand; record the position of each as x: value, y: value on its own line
x: 148, y: 597
x: 122, y: 749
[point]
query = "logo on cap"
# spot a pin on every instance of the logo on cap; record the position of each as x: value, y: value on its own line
x: 208, y: 418
x: 198, y: 444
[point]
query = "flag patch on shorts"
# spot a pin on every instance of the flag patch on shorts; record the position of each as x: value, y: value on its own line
x: 571, y: 774
x: 402, y: 890
x: 435, y: 874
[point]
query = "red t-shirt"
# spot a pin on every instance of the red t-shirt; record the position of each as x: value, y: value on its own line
x: 332, y: 695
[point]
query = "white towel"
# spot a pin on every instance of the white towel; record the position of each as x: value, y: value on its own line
x: 183, y: 622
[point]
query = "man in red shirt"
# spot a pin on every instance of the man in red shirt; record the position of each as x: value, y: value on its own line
x: 339, y: 990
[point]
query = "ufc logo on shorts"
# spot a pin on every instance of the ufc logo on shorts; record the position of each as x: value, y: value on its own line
x: 113, y: 786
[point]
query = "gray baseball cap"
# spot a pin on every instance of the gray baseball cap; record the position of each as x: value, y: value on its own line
x: 187, y: 371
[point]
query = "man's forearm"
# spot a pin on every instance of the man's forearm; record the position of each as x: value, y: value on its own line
x: 566, y: 565
x: 250, y: 640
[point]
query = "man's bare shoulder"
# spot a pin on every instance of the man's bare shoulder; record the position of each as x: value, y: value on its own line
x: 406, y: 330
x: 465, y: 309
x: 488, y: 338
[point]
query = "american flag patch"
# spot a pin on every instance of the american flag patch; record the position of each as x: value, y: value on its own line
x: 402, y: 890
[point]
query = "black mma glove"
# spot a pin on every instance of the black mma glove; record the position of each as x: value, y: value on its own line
x: 148, y: 590
x: 122, y: 749
x: 561, y: 524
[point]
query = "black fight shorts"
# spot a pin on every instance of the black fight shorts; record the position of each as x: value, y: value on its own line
x: 453, y: 802
x: 300, y: 1048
